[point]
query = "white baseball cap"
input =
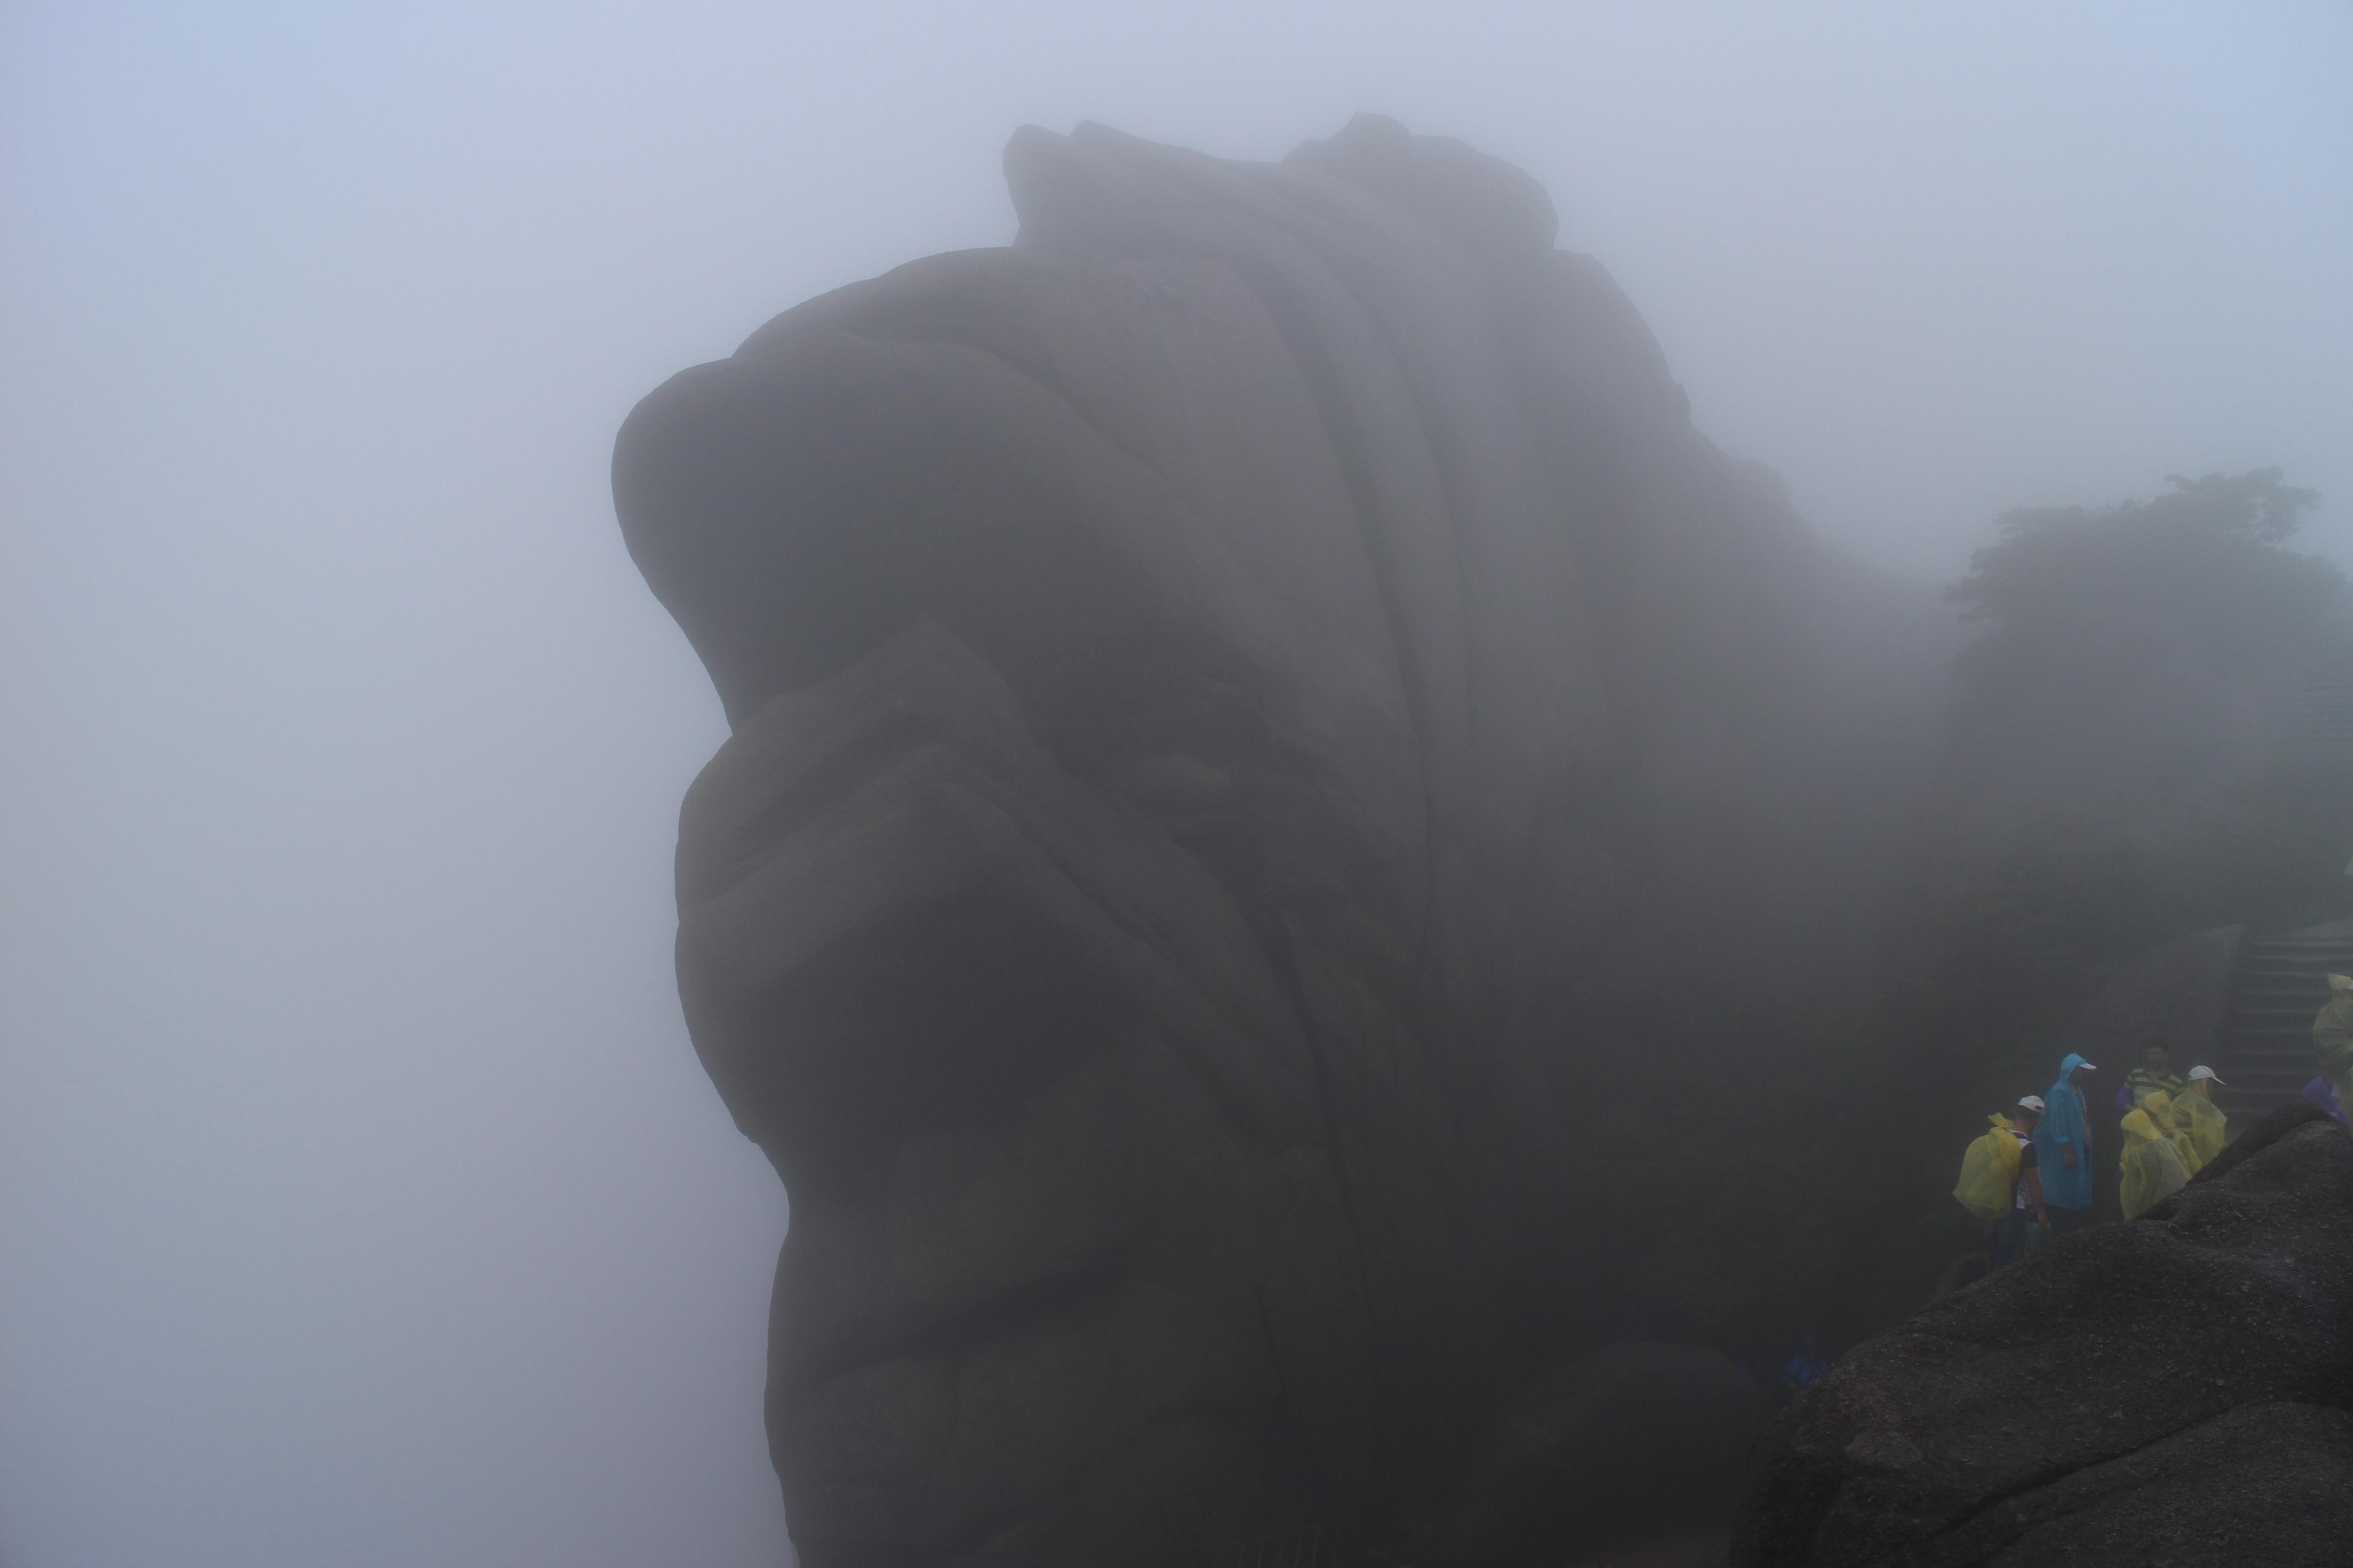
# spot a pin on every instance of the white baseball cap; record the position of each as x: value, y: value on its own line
x: 2196, y: 1073
x: 2034, y: 1101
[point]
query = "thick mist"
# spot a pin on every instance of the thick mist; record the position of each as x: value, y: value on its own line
x: 361, y: 1199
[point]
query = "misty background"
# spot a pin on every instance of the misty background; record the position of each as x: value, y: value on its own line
x: 361, y: 1200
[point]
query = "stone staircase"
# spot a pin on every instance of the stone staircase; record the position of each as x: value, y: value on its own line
x: 2281, y: 981
x: 2319, y: 721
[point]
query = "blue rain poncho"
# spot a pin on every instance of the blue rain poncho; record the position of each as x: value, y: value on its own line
x: 2063, y: 1126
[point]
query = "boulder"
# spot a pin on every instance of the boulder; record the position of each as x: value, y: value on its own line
x: 1235, y: 699
x: 2176, y: 1391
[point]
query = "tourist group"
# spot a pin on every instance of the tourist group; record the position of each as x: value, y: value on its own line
x: 2030, y: 1174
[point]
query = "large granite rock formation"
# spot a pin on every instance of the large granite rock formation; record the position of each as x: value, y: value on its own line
x: 2178, y: 1390
x: 1235, y: 699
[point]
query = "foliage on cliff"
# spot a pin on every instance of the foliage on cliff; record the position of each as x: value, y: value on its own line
x: 1801, y: 1184
x: 2207, y: 560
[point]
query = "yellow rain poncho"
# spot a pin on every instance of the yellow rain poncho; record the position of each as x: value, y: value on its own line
x: 1989, y: 1171
x: 2196, y: 1124
x: 2153, y: 1170
x: 2171, y: 1116
x: 2332, y: 1036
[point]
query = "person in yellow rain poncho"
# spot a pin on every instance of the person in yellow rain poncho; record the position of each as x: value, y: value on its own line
x: 2170, y: 1117
x: 2001, y: 1185
x: 2198, y: 1122
x: 2332, y: 1038
x: 2153, y: 1170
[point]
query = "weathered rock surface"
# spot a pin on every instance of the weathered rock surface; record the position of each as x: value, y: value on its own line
x: 2178, y: 1390
x: 1628, y: 1445
x: 1235, y: 697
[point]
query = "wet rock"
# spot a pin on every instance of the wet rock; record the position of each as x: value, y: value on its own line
x: 1234, y: 698
x: 1632, y: 1444
x: 2176, y: 1391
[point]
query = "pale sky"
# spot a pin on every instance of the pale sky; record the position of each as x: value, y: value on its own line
x: 361, y: 1204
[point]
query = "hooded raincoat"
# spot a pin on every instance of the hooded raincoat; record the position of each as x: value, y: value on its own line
x: 2065, y: 1126
x: 2152, y: 1165
x: 2197, y: 1125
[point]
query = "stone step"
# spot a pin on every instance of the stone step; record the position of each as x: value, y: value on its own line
x: 2272, y: 1090
x: 2266, y: 1092
x: 2274, y: 1080
x: 2267, y: 1080
x: 2265, y: 1053
x: 2245, y: 1112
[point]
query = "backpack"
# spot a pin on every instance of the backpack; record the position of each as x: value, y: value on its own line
x: 1989, y: 1171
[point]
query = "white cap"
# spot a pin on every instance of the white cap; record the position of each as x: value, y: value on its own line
x: 2030, y: 1103
x: 2196, y: 1073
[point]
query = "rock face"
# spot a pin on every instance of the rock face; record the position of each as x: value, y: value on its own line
x: 1630, y: 1444
x: 1235, y: 697
x: 2175, y: 1391
x: 2178, y: 992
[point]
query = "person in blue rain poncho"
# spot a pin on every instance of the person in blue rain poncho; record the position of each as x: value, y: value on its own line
x: 2063, y: 1149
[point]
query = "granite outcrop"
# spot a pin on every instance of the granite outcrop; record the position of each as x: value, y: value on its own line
x: 1236, y: 697
x: 2178, y: 1390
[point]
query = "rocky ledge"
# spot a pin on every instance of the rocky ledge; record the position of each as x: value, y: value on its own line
x: 2178, y: 1390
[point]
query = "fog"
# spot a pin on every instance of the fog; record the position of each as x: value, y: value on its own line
x: 361, y: 1199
